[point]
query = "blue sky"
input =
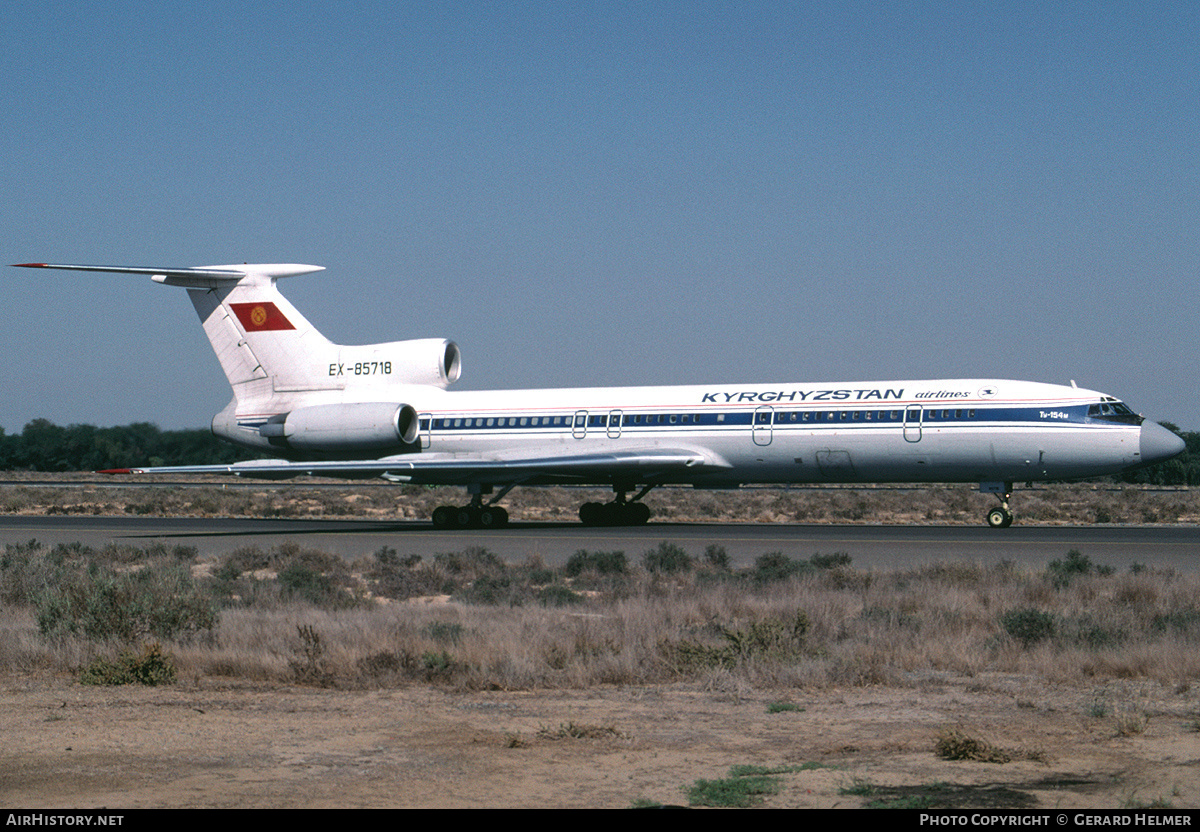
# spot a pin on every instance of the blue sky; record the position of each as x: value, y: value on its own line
x: 608, y: 193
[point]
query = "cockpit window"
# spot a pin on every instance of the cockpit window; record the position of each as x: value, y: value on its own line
x: 1112, y: 410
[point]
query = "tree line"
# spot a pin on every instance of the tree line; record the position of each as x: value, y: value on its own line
x: 45, y: 446
x: 1182, y: 470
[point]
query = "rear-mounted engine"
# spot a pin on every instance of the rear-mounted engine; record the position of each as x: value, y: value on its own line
x: 345, y: 428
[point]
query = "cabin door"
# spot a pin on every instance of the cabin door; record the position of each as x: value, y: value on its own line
x: 614, y: 424
x: 912, y: 424
x: 761, y: 424
x: 425, y: 421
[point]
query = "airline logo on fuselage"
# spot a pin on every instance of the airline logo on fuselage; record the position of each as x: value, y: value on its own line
x: 769, y: 396
x: 260, y: 317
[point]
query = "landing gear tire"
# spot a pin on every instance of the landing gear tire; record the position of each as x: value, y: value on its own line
x: 639, y: 514
x: 614, y: 514
x: 999, y: 518
x: 493, y: 517
x: 443, y: 517
x: 470, y: 517
x: 467, y: 517
x: 591, y: 514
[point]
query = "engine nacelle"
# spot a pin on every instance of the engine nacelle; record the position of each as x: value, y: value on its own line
x: 345, y: 428
x: 432, y: 361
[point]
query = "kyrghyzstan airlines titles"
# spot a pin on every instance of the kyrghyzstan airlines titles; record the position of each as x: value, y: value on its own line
x: 804, y: 395
x: 842, y: 395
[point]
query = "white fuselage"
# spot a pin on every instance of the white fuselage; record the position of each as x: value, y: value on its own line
x: 907, y: 431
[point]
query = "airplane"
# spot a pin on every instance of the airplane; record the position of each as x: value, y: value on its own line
x: 383, y: 410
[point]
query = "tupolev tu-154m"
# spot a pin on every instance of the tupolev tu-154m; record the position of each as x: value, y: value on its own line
x: 383, y: 410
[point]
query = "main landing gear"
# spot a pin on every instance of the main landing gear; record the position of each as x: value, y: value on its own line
x: 478, y: 515
x: 474, y: 515
x: 619, y: 512
x: 471, y: 516
x: 999, y: 517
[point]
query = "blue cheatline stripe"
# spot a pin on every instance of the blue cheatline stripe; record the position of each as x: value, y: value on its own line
x: 776, y: 418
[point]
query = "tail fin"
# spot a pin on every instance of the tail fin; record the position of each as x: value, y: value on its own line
x: 272, y: 355
x: 265, y: 346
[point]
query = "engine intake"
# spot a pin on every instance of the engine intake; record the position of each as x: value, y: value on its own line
x: 432, y: 361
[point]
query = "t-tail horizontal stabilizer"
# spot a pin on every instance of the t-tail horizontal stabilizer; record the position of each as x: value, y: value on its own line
x: 191, y: 276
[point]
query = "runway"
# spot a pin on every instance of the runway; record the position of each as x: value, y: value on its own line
x: 1176, y: 547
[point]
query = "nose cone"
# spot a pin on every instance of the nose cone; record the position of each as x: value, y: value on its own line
x: 1158, y: 444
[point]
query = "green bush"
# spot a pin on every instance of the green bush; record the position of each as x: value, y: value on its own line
x: 831, y: 561
x: 153, y: 667
x: 775, y: 566
x: 25, y: 569
x: 1028, y: 625
x: 557, y: 595
x: 493, y: 591
x: 301, y: 581
x: 667, y: 558
x: 1076, y: 565
x: 474, y: 560
x: 159, y: 600
x: 604, y: 563
x: 395, y: 577
x: 716, y: 556
x: 443, y: 632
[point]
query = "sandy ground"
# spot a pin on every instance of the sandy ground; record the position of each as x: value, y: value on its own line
x: 237, y: 745
x: 225, y: 743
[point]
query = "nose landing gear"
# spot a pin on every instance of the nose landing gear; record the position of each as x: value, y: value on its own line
x: 1000, y: 517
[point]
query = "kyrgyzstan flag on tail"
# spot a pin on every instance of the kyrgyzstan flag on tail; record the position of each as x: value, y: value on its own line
x: 260, y: 317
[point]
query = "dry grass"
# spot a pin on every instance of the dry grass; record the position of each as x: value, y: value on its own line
x: 820, y: 627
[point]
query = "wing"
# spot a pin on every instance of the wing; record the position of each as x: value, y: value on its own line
x: 646, y: 465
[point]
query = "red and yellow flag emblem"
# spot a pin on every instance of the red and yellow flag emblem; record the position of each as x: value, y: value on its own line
x: 260, y: 317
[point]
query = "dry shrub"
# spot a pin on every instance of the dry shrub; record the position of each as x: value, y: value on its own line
x: 956, y: 744
x: 815, y: 622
